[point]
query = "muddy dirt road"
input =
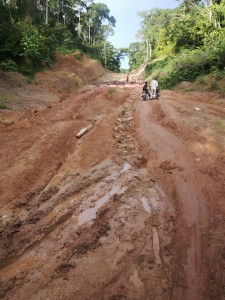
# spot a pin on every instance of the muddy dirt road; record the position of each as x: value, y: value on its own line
x: 133, y: 209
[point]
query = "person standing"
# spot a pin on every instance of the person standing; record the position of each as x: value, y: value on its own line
x: 154, y: 85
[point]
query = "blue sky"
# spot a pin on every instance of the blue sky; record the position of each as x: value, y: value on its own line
x: 127, y: 20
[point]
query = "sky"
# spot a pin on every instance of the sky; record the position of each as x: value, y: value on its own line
x: 127, y: 20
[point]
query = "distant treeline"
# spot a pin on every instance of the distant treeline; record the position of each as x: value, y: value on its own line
x: 31, y: 31
x: 183, y: 43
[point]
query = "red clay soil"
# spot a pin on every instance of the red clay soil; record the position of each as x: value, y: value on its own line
x: 133, y: 209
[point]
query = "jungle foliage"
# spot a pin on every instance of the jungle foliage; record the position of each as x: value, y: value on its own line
x: 31, y: 31
x: 181, y: 44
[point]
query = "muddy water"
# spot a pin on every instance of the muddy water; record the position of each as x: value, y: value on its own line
x: 90, y: 213
x: 126, y: 167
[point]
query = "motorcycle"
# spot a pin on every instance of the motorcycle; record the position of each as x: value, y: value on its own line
x: 144, y: 95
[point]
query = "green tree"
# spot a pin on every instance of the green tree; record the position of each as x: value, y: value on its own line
x: 32, y: 30
x: 154, y: 35
x: 97, y: 13
x: 135, y: 55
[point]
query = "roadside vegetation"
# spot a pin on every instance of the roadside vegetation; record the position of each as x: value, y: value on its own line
x: 32, y: 31
x: 182, y: 44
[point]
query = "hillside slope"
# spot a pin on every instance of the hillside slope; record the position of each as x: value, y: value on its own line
x: 68, y: 74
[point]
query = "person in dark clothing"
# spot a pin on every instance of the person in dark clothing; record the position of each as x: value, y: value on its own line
x: 145, y: 89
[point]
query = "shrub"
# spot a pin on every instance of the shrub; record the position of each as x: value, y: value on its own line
x: 111, y: 91
x: 62, y: 36
x: 9, y: 65
x: 27, y: 48
x: 36, y: 48
x: 187, y: 66
x: 213, y: 84
x: 78, y: 54
x: 201, y: 79
x: 156, y: 65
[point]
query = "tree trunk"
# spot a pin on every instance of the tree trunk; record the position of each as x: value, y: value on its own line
x: 150, y: 50
x: 79, y: 26
x: 89, y: 34
x: 105, y: 57
x: 63, y: 12
x: 58, y: 10
x: 46, y: 12
x: 208, y: 4
x: 147, y: 50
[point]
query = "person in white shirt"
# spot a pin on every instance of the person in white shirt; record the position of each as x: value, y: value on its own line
x: 154, y: 85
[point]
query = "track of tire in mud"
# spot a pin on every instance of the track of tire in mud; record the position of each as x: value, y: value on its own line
x: 188, y: 149
x: 104, y: 237
x: 136, y: 224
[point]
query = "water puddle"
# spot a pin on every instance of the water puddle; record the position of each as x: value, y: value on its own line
x: 90, y: 213
x: 146, y: 206
x: 126, y: 167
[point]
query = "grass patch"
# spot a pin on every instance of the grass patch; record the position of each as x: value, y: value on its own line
x: 74, y: 52
x: 221, y: 126
x: 6, y: 99
x: 3, y: 106
x: 111, y: 91
x: 222, y: 91
x: 213, y: 84
x: 201, y: 80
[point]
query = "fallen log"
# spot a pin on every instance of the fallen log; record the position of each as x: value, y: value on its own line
x: 83, y: 131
